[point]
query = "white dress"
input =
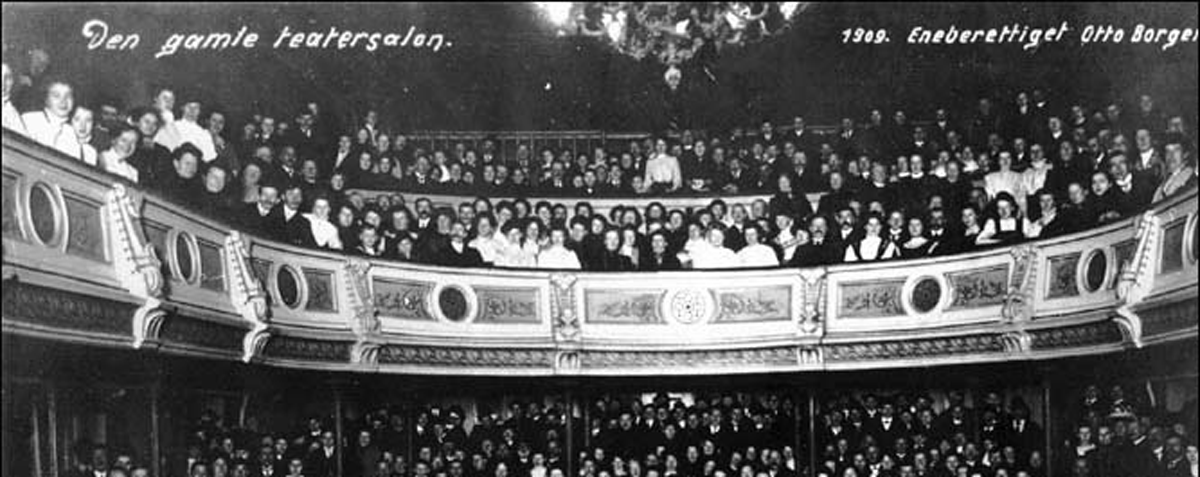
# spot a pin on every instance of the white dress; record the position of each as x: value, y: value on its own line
x: 758, y: 255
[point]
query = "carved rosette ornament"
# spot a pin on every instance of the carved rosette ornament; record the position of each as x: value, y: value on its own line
x: 690, y: 306
x: 136, y: 264
x: 247, y: 295
x: 1137, y: 278
x: 812, y: 305
x: 364, y: 320
x: 562, y: 308
x: 1018, y: 303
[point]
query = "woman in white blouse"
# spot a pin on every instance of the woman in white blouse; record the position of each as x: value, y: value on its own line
x: 511, y: 254
x: 715, y: 255
x: 115, y: 159
x: 755, y: 254
x: 557, y: 255
x: 662, y: 170
x: 872, y: 247
x: 1005, y: 180
x: 324, y: 232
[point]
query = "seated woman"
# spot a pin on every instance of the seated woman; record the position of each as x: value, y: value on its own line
x: 325, y: 234
x: 917, y: 245
x: 788, y: 238
x: 662, y: 170
x: 1006, y: 227
x: 512, y: 254
x: 368, y: 242
x: 611, y: 259
x: 715, y: 255
x: 557, y: 256
x: 755, y: 254
x: 403, y: 249
x: 631, y: 244
x: 660, y: 257
x: 872, y: 246
x: 1106, y: 205
x: 970, y: 230
x: 789, y: 201
x: 115, y: 159
x: 486, y: 240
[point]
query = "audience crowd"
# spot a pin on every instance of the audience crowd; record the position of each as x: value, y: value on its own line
x: 742, y: 435
x: 888, y: 190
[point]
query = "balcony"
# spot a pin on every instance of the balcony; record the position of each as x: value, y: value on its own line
x: 91, y: 259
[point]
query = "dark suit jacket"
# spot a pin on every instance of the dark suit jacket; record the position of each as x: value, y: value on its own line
x: 469, y: 257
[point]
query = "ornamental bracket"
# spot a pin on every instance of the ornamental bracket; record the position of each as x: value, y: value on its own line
x: 1137, y: 279
x: 137, y: 266
x: 364, y: 320
x: 247, y: 295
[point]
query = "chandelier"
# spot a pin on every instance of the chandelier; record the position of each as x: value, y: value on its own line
x: 672, y: 33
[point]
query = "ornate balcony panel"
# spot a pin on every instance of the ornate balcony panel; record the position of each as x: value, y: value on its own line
x: 91, y: 258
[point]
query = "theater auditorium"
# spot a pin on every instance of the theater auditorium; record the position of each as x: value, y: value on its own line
x: 598, y: 239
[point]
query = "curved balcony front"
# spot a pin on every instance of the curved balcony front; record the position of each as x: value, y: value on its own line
x: 92, y: 259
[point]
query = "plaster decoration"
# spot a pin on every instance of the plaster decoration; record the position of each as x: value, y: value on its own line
x: 54, y: 308
x: 813, y: 300
x: 689, y: 306
x: 402, y: 299
x: 467, y: 357
x: 136, y: 264
x: 754, y: 304
x: 295, y: 348
x: 1137, y: 278
x: 1090, y: 334
x: 641, y: 306
x: 779, y: 356
x: 364, y: 317
x: 1017, y: 342
x: 507, y: 305
x: 1019, y: 301
x: 810, y: 356
x: 562, y: 308
x: 915, y: 348
x: 872, y: 299
x: 978, y: 288
x: 566, y: 362
x: 247, y: 295
x: 1064, y: 275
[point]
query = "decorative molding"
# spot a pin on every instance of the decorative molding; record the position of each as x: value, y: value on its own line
x: 1137, y: 278
x: 137, y: 266
x: 565, y: 318
x: 295, y: 348
x: 915, y: 348
x: 778, y: 356
x: 190, y: 331
x: 467, y: 357
x: 363, y: 317
x: 46, y: 307
x: 247, y: 295
x: 813, y: 301
x: 1089, y: 334
x: 1018, y: 303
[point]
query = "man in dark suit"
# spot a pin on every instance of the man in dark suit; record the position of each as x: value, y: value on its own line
x: 290, y: 225
x: 255, y: 218
x: 805, y: 140
x: 458, y: 254
x: 821, y: 249
x: 886, y: 428
x: 1024, y: 434
x: 323, y: 461
x: 837, y: 197
x: 1136, y: 187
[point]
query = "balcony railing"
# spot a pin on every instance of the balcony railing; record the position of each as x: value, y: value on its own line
x: 91, y: 258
